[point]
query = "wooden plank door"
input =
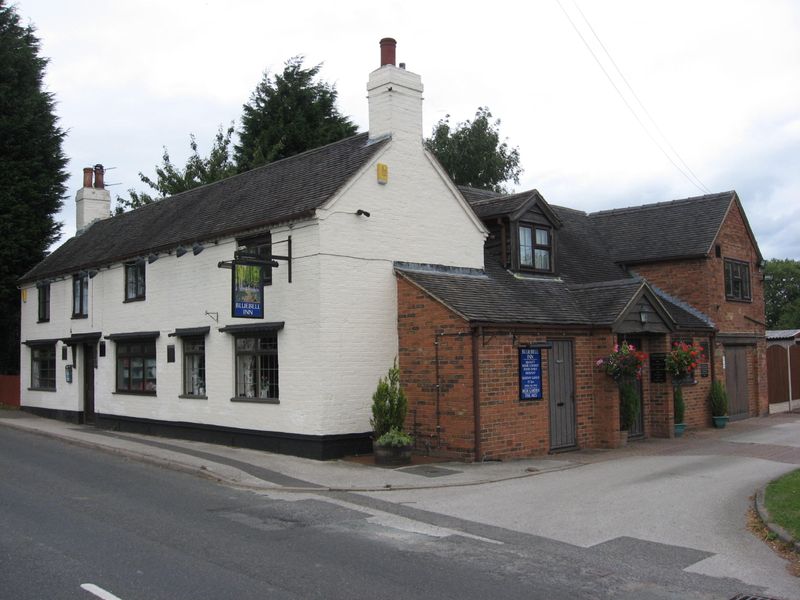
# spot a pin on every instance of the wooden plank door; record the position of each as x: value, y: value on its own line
x: 736, y: 381
x: 562, y: 395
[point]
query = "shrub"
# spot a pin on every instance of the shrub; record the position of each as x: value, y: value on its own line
x: 389, y: 404
x: 629, y: 404
x: 679, y: 407
x: 719, y: 399
x: 395, y: 437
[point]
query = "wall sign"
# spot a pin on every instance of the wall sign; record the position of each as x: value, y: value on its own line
x: 530, y: 374
x: 247, y: 290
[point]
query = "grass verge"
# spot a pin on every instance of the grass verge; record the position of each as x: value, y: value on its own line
x: 782, y: 499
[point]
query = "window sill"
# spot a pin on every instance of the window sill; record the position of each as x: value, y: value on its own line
x: 41, y: 389
x: 43, y: 321
x: 191, y: 397
x: 256, y: 400
x: 740, y: 300
x: 80, y: 316
x: 132, y: 393
x: 127, y: 300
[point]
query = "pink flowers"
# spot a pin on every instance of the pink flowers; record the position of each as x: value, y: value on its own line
x: 624, y: 361
x: 684, y: 358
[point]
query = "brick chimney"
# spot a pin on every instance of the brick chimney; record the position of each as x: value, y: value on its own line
x: 395, y: 98
x: 93, y: 200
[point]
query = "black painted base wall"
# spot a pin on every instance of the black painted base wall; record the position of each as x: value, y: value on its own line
x: 71, y: 416
x: 320, y: 447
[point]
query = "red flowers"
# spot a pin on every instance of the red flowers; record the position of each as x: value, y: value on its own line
x: 624, y: 361
x: 684, y: 358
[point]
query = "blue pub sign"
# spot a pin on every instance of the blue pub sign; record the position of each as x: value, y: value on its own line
x: 247, y: 290
x: 530, y: 374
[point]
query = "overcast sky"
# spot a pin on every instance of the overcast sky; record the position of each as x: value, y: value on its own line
x: 721, y: 80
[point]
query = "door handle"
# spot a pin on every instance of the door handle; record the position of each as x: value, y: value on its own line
x: 559, y: 404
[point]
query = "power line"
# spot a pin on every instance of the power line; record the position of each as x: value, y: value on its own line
x: 690, y: 176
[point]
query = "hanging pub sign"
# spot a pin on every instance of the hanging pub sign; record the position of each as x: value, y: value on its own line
x: 247, y: 290
x: 530, y: 374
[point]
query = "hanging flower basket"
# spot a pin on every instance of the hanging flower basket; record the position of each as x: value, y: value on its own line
x: 682, y: 360
x: 625, y: 362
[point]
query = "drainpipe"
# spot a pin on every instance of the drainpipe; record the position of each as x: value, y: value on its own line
x: 477, y: 333
x: 436, y: 338
x: 789, y: 363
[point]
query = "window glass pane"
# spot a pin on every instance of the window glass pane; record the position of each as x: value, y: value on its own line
x: 137, y: 373
x: 246, y: 344
x: 542, y: 237
x: 246, y: 376
x: 84, y: 295
x: 525, y: 246
x: 123, y: 373
x: 542, y: 259
x: 76, y: 296
x: 150, y: 374
x: 268, y: 343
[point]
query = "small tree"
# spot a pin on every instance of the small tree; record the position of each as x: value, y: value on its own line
x: 679, y: 406
x: 629, y: 404
x: 389, y: 404
x: 719, y: 399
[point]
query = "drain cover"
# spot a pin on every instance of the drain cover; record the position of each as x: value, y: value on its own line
x: 429, y: 471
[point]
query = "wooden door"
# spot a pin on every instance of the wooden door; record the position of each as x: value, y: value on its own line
x: 89, y: 363
x: 736, y: 382
x: 562, y: 395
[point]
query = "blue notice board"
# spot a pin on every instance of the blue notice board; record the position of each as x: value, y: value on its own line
x: 530, y: 374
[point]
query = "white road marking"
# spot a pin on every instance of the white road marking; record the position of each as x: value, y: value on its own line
x: 99, y: 592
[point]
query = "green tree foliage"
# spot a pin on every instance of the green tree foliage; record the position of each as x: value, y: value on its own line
x: 171, y: 180
x: 287, y: 114
x: 32, y: 171
x: 472, y: 153
x: 782, y: 293
x: 389, y: 404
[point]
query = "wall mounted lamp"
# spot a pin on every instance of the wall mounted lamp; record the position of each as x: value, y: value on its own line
x: 197, y: 248
x: 362, y: 213
x: 643, y: 317
x: 180, y: 251
x: 152, y: 258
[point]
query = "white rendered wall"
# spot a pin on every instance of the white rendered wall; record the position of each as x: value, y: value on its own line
x: 179, y: 292
x: 415, y: 217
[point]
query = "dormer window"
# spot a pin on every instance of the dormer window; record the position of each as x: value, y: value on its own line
x: 535, y: 248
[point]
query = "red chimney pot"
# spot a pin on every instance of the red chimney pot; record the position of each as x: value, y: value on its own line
x: 98, y: 176
x: 388, y: 50
x: 87, y: 176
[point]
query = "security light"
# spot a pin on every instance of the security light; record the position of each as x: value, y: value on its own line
x: 197, y: 248
x: 180, y: 251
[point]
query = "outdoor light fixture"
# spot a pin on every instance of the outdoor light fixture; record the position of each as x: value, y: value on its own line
x: 139, y: 261
x: 152, y: 258
x: 643, y: 317
x: 92, y: 273
x: 197, y: 248
x: 362, y: 213
x: 180, y: 251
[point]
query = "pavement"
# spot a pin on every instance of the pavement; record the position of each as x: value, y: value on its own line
x: 254, y: 469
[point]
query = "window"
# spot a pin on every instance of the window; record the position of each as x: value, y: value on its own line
x: 258, y: 247
x: 535, y: 248
x: 80, y: 296
x: 136, y: 366
x: 134, y: 281
x: 43, y: 367
x: 194, y: 366
x: 257, y: 366
x: 737, y: 280
x: 44, y: 302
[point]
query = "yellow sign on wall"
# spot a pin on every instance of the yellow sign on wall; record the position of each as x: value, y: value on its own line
x: 383, y: 173
x: 24, y: 295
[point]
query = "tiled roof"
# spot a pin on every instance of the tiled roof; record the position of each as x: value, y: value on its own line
x: 782, y: 334
x: 278, y: 192
x: 603, y: 302
x: 488, y: 204
x: 677, y: 229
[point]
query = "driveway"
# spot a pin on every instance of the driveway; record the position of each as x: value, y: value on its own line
x: 691, y: 494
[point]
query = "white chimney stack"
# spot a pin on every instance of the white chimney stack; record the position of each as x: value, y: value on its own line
x: 395, y: 98
x: 93, y: 200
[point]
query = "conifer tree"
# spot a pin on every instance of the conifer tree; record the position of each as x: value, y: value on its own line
x: 32, y: 171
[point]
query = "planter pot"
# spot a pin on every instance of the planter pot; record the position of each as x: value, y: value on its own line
x: 720, y: 422
x: 679, y: 429
x: 392, y: 455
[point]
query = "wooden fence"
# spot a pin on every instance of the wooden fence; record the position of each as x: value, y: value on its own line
x: 778, y: 373
x: 9, y: 390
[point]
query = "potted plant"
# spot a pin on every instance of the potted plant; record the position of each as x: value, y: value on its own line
x: 682, y: 360
x: 679, y: 408
x: 624, y: 365
x: 719, y: 404
x: 391, y: 445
